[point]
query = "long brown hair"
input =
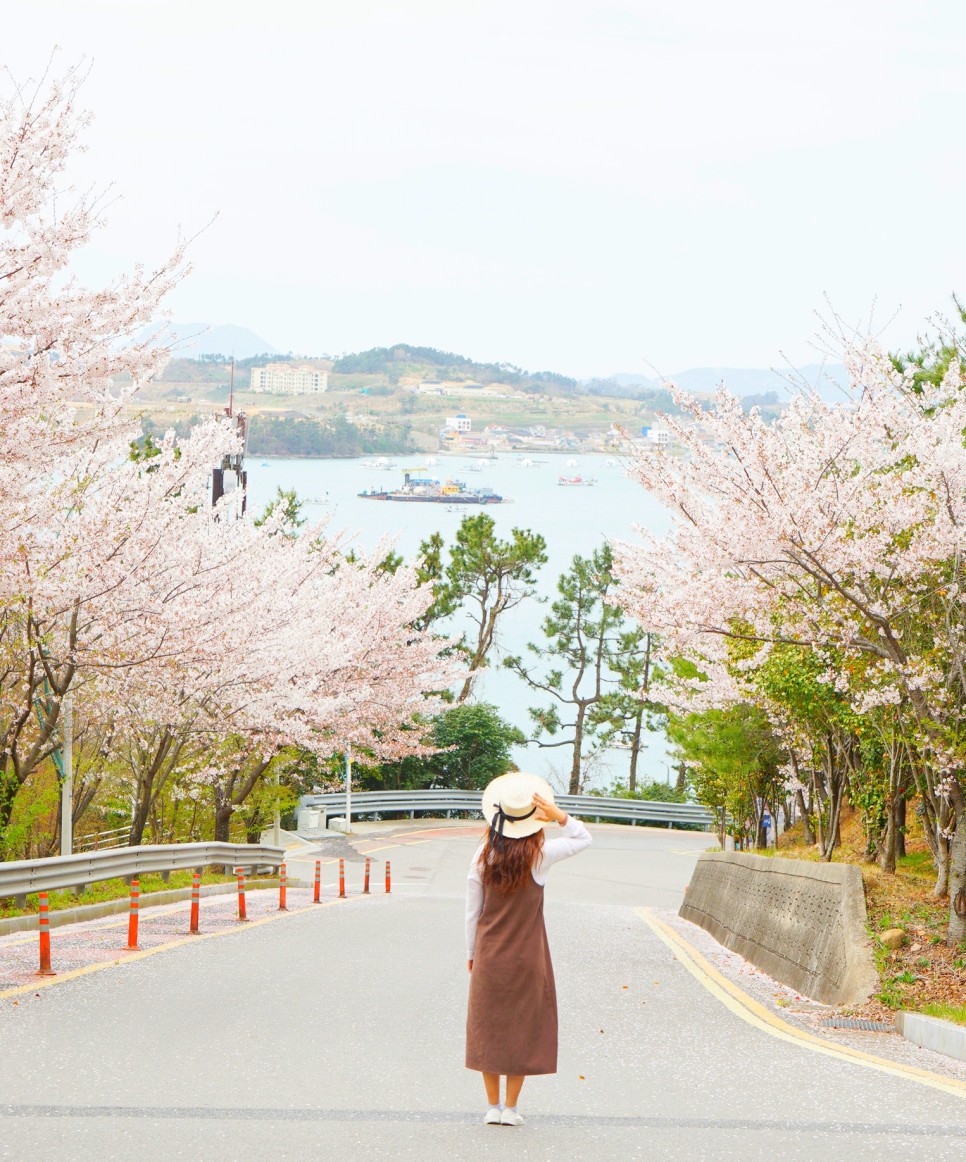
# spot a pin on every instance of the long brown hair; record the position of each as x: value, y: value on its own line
x: 505, y: 864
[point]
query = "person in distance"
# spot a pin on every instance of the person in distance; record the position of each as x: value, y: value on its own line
x: 511, y: 1020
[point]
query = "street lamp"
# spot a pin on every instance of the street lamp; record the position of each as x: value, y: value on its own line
x: 67, y: 786
x: 348, y: 789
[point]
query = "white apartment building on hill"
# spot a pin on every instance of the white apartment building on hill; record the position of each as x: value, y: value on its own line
x: 289, y: 379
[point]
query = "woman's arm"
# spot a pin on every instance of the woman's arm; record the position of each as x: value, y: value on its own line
x: 573, y: 839
x: 474, y: 904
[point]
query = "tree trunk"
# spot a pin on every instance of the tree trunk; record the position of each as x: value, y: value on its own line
x: 139, y: 820
x: 253, y: 830
x: 833, y: 834
x: 578, y: 746
x: 817, y: 800
x: 223, y: 814
x: 9, y: 786
x: 680, y: 783
x: 635, y: 750
x: 900, y: 815
x: 941, y: 890
x: 887, y: 842
x: 957, y: 873
x: 806, y: 817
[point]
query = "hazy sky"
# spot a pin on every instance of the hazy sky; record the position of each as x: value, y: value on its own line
x: 568, y: 185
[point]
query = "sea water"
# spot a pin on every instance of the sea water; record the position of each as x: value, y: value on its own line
x: 572, y: 520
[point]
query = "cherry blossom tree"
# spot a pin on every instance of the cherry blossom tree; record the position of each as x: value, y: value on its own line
x: 199, y: 641
x: 837, y: 529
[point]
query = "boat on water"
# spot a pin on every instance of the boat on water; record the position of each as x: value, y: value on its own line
x: 430, y: 491
x: 576, y: 481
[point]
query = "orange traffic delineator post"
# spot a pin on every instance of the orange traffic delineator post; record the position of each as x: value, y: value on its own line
x: 132, y: 919
x: 195, y: 904
x: 242, y: 909
x: 45, y: 969
x: 388, y: 878
x: 365, y: 886
x: 341, y: 879
x: 282, y: 892
x: 317, y: 897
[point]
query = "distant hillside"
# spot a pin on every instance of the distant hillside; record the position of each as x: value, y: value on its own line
x: 827, y: 379
x: 429, y: 364
x: 194, y: 340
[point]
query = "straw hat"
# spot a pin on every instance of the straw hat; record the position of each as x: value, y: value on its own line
x: 508, y: 804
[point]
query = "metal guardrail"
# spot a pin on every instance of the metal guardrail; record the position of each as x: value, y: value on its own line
x: 19, y: 877
x: 586, y: 806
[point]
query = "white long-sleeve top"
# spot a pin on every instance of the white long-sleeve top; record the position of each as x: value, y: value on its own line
x: 574, y: 838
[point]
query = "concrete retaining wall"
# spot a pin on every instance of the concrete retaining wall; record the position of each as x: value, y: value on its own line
x: 802, y: 923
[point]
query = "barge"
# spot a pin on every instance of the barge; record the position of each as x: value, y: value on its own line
x: 426, y: 490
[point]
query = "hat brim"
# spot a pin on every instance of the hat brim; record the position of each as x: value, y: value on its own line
x: 516, y: 785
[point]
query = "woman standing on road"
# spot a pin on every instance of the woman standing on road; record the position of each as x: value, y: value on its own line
x: 511, y: 1021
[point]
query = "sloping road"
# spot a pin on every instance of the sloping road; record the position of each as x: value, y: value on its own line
x: 338, y: 1033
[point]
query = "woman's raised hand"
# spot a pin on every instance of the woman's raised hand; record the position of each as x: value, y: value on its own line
x: 548, y: 812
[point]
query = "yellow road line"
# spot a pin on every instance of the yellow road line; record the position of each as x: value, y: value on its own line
x: 386, y: 846
x: 755, y: 1014
x: 85, y: 970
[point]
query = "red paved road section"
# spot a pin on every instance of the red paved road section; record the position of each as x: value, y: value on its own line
x: 77, y: 946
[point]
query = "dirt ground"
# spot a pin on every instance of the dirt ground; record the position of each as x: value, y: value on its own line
x: 925, y: 970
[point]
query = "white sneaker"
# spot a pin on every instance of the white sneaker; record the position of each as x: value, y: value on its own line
x: 492, y: 1116
x: 510, y: 1118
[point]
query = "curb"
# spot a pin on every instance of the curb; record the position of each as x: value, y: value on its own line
x: 755, y: 1014
x: 183, y: 941
x: 64, y: 916
x: 933, y: 1033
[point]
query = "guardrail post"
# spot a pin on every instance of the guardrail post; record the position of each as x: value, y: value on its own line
x: 195, y: 904
x: 282, y: 893
x: 317, y: 894
x: 341, y: 879
x: 365, y: 886
x: 44, y: 928
x: 242, y: 909
x: 388, y: 878
x: 132, y: 920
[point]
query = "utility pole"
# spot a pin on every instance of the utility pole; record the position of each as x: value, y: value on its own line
x: 67, y: 781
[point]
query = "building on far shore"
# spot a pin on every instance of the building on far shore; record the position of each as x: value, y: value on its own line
x: 289, y: 379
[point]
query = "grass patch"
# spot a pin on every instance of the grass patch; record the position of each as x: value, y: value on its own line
x: 955, y: 1013
x: 105, y: 890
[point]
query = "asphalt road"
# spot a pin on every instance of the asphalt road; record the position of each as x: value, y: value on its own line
x: 338, y: 1033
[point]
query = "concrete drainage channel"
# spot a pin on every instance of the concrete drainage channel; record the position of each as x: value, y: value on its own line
x: 857, y: 1023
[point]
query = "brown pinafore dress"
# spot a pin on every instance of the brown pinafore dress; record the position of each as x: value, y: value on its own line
x: 511, y: 1021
